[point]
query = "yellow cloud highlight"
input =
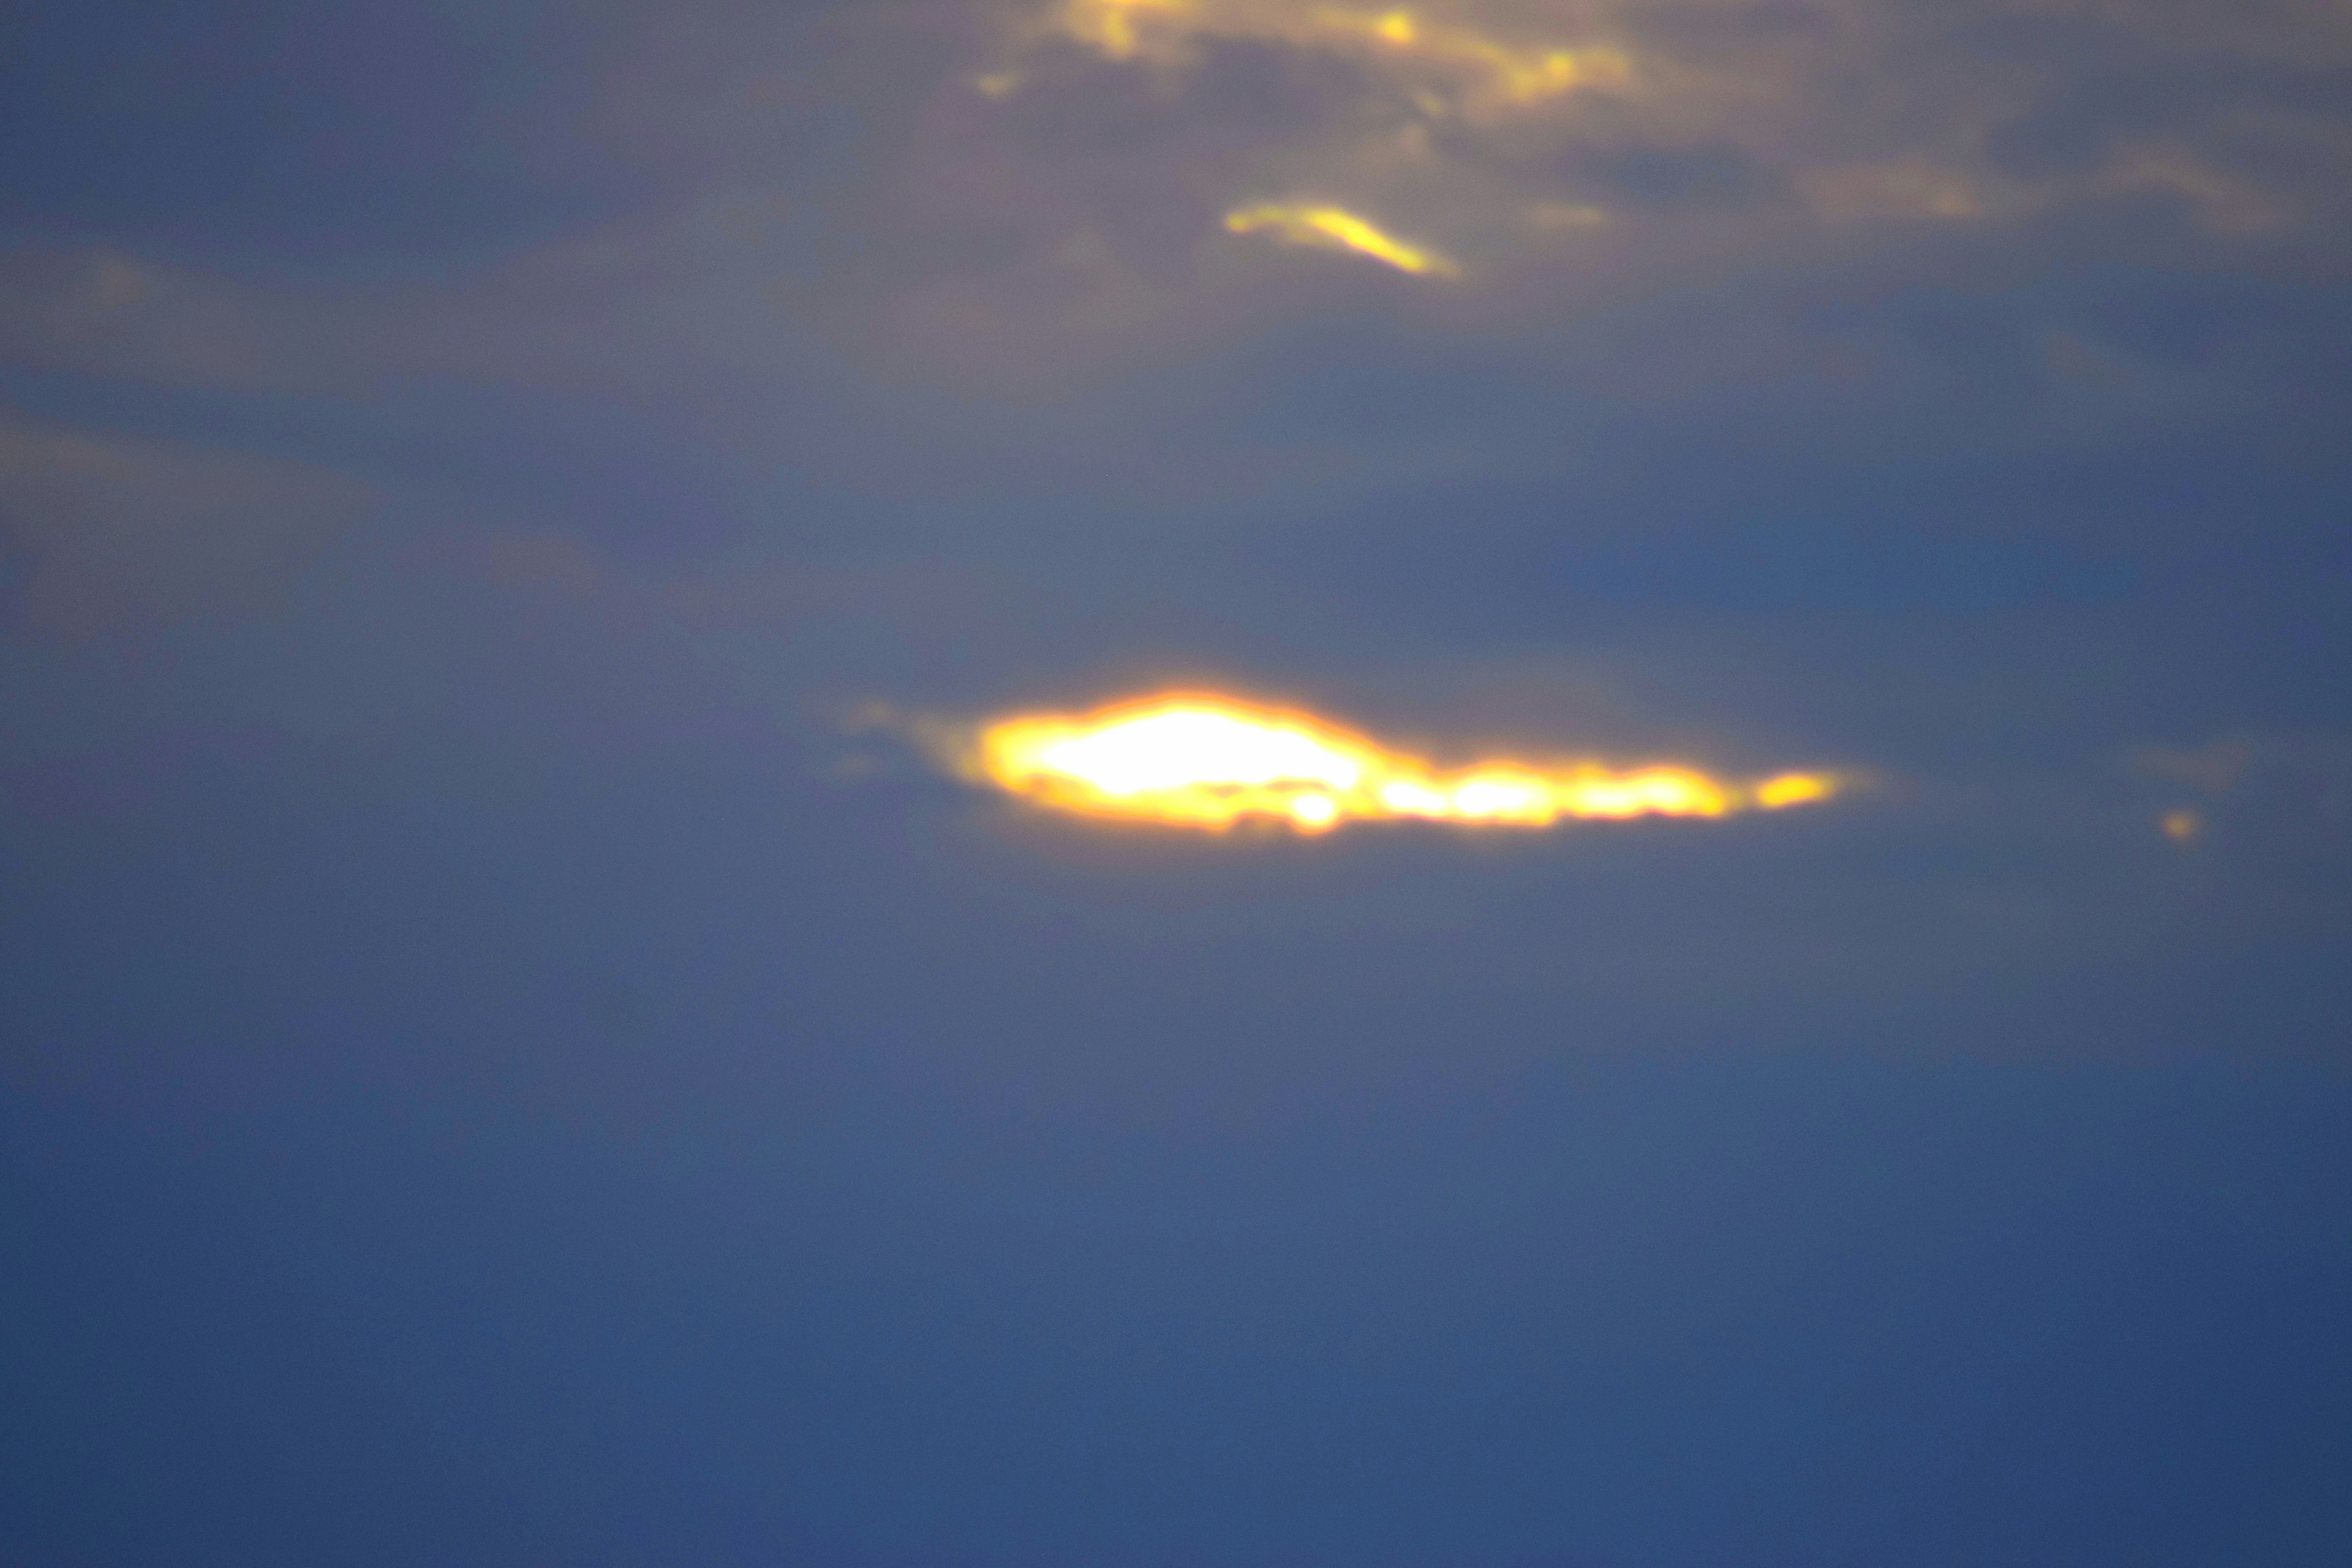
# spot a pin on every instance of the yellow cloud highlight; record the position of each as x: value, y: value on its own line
x: 1111, y: 25
x: 1203, y: 760
x: 1492, y: 71
x: 1336, y: 228
x: 1473, y: 72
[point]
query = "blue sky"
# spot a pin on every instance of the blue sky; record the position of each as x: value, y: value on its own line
x: 506, y: 1062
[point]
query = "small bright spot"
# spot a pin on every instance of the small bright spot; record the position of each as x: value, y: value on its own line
x: 2182, y: 826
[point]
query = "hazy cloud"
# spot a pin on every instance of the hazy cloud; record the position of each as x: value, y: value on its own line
x: 107, y: 535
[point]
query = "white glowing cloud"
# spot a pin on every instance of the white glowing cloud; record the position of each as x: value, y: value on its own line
x: 1205, y: 761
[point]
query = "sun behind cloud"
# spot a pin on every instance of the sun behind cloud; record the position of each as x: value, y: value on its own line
x: 1206, y: 761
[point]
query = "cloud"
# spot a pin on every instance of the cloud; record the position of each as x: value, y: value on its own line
x: 1458, y: 117
x: 2215, y: 768
x: 108, y: 533
x: 984, y: 299
x: 1888, y: 377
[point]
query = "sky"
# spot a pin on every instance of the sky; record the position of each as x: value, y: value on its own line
x: 523, y: 1038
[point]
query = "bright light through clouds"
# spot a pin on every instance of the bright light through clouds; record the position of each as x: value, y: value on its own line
x: 1197, y: 760
x: 1336, y: 228
x: 1455, y: 68
x: 1425, y: 80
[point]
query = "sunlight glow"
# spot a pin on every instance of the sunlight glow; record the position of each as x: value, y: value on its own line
x: 1198, y: 760
x: 1336, y: 228
x: 1461, y: 68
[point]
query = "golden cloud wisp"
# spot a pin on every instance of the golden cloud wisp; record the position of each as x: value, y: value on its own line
x: 1323, y: 227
